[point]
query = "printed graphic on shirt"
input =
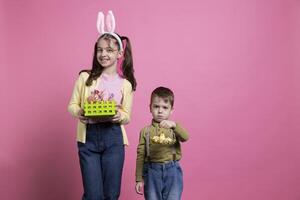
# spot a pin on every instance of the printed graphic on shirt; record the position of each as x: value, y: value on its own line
x: 103, y: 95
x: 110, y: 87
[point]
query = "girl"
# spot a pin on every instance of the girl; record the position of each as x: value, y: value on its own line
x: 101, y: 140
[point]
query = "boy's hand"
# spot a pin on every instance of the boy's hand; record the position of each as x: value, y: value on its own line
x: 139, y: 187
x: 167, y: 124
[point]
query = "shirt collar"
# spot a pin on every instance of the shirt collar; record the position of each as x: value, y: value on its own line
x: 154, y: 123
x: 109, y: 77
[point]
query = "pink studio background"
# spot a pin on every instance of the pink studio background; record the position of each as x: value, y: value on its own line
x: 233, y: 65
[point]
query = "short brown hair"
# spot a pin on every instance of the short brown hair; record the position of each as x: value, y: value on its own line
x: 164, y: 93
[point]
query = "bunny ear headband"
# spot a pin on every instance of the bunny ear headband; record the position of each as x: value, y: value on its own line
x: 110, y: 26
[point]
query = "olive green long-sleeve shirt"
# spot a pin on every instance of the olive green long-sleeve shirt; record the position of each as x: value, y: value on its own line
x: 159, y: 153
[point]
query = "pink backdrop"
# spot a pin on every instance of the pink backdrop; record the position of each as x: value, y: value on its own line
x: 233, y: 65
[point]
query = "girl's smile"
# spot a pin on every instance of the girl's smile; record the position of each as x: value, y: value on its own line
x: 108, y: 53
x: 103, y: 61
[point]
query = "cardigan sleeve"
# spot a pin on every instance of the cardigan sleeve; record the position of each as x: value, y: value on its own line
x: 126, y: 104
x: 75, y: 101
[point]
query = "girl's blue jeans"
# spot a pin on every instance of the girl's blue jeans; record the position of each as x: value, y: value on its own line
x: 101, y: 161
x: 163, y: 181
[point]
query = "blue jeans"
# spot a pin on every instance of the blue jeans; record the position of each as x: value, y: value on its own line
x: 163, y: 181
x: 101, y: 161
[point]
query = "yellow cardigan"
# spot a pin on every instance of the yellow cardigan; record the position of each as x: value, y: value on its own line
x: 80, y: 94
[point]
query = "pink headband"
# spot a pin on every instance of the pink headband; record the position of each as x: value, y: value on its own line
x: 110, y: 26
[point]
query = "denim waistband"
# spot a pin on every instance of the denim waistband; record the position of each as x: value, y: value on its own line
x: 102, y: 124
x: 162, y: 165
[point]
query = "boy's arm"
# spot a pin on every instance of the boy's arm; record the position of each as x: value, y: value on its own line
x: 181, y: 133
x: 140, y: 158
x: 139, y: 187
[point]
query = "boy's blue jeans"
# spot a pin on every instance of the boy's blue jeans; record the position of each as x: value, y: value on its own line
x: 163, y: 181
x: 101, y: 161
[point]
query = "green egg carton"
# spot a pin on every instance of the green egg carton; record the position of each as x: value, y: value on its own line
x: 100, y: 108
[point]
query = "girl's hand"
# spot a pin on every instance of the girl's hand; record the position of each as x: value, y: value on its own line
x: 81, y: 116
x: 167, y: 124
x: 139, y: 187
x: 80, y: 112
x: 117, y: 117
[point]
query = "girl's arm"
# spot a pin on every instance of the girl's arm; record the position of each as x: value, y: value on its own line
x: 74, y: 104
x: 125, y: 110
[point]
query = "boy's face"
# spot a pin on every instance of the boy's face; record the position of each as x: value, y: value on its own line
x: 160, y: 109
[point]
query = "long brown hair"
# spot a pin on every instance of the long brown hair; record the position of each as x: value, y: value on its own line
x: 127, y: 64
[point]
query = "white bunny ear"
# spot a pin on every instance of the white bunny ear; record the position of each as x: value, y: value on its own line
x: 110, y: 22
x: 100, y: 22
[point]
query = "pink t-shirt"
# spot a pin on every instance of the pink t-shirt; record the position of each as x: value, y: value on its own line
x: 111, y: 86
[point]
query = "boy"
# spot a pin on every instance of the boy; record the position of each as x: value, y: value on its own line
x: 158, y: 151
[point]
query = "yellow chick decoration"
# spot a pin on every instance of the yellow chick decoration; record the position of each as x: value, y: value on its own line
x: 162, y: 139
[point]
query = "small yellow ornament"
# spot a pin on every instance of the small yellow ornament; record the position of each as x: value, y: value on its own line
x: 162, y: 139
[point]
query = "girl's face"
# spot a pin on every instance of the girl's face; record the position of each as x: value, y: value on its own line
x: 107, y: 52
